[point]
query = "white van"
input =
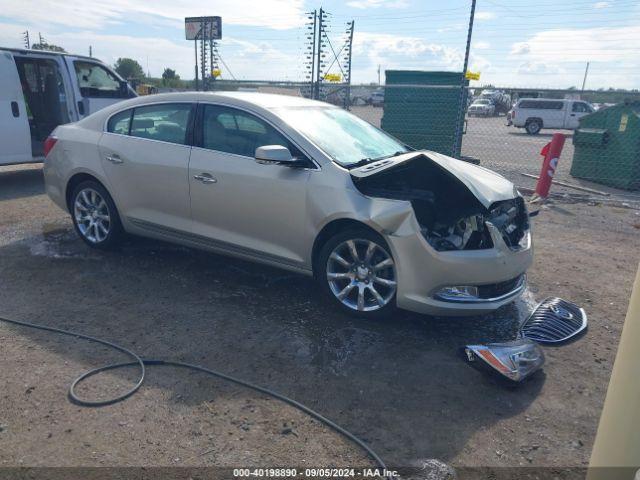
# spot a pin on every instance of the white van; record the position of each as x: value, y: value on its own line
x: 534, y: 114
x: 40, y: 90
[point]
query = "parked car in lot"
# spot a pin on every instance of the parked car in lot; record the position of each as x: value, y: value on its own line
x: 534, y: 114
x: 376, y: 98
x: 301, y: 185
x: 40, y: 90
x: 482, y: 107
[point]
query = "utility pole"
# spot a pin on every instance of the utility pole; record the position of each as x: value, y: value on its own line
x: 195, y: 47
x: 457, y: 143
x: 90, y: 51
x: 25, y: 36
x: 313, y: 15
x: 584, y: 80
x: 319, y: 53
x: 348, y: 93
x: 378, y: 74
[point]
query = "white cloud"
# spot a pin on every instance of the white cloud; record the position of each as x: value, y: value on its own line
x: 601, y: 44
x: 407, y: 53
x: 600, y: 5
x: 485, y: 15
x: 480, y: 45
x: 364, y: 4
x: 247, y: 60
x: 96, y: 14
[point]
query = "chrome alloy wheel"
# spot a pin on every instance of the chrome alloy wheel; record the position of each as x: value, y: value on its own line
x: 92, y: 215
x: 361, y: 275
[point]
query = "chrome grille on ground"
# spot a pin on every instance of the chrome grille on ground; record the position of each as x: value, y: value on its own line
x: 554, y: 320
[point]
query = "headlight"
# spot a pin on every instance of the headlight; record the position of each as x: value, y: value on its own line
x: 514, y: 360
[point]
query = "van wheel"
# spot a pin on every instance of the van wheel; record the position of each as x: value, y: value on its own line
x: 533, y: 127
x: 95, y: 217
x: 357, y: 271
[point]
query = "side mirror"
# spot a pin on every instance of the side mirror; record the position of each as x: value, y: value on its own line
x: 274, y: 155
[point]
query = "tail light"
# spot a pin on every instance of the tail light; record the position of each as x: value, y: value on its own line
x: 49, y: 143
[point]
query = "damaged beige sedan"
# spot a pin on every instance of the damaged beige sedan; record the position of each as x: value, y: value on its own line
x: 300, y: 185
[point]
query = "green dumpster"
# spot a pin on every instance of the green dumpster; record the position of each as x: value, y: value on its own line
x: 607, y: 147
x: 422, y: 109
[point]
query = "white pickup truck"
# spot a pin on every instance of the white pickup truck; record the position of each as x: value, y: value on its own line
x: 534, y: 114
x: 40, y: 90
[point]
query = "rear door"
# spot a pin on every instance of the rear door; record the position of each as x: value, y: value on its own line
x: 15, y: 139
x: 145, y: 154
x: 95, y: 85
x: 553, y: 113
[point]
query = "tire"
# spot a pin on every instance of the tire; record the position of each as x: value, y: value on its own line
x: 372, y: 292
x: 533, y: 127
x: 95, y: 216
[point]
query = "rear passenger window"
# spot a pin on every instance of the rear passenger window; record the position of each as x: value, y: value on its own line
x: 541, y: 104
x: 166, y: 122
x: 119, y: 123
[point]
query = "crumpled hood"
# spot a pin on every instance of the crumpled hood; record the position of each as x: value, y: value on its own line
x: 488, y: 186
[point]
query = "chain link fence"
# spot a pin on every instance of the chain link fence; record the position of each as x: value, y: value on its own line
x: 504, y: 129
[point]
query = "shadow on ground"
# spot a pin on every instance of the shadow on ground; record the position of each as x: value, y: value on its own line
x: 398, y: 384
x: 21, y: 183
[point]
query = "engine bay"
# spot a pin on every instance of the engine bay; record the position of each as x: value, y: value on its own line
x: 449, y: 214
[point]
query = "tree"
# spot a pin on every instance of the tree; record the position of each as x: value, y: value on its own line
x: 129, y: 69
x: 171, y: 79
x: 48, y: 46
x: 169, y: 74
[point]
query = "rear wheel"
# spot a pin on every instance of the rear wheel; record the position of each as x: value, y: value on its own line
x: 95, y: 216
x: 357, y: 271
x: 533, y: 127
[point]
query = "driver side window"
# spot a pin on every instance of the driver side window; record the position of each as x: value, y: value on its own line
x: 95, y: 81
x: 234, y: 131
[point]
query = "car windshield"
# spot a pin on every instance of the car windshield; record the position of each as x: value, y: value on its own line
x: 347, y: 139
x: 482, y: 102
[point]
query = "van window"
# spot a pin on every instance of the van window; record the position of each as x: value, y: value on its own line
x: 541, y: 104
x: 119, y: 123
x: 95, y: 81
x: 166, y: 122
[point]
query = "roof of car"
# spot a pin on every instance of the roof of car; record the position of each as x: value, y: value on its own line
x: 264, y: 100
x: 25, y: 51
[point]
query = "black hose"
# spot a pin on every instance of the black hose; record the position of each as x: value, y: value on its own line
x: 156, y: 362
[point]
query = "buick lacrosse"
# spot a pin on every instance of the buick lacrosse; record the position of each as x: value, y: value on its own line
x: 296, y: 184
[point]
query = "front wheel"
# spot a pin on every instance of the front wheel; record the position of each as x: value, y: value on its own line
x: 357, y: 271
x: 95, y: 216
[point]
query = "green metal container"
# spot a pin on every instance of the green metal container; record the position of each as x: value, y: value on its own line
x: 607, y: 147
x: 422, y: 109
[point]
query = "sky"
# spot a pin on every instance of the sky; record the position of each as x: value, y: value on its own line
x: 515, y: 43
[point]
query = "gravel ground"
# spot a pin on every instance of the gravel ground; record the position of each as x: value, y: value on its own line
x: 399, y: 384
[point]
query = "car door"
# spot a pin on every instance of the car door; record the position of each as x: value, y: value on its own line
x: 15, y: 137
x: 243, y: 206
x: 95, y: 86
x: 553, y: 113
x: 145, y: 155
x: 577, y: 111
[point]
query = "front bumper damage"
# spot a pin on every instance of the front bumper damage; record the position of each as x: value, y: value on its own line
x: 460, y: 237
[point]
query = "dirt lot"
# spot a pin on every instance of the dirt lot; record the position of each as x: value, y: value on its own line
x: 398, y: 384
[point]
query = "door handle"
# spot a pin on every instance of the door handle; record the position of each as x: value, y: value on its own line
x: 205, y: 178
x: 114, y: 158
x: 15, y: 110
